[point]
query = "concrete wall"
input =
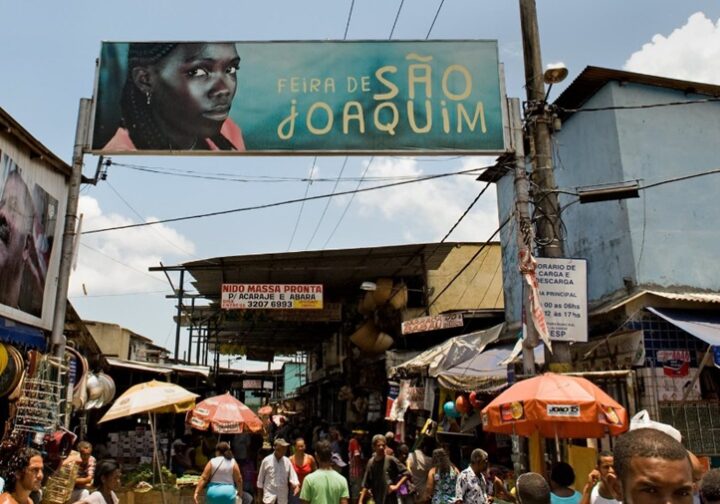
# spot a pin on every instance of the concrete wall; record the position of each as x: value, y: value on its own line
x: 478, y: 287
x: 112, y: 339
x: 665, y: 238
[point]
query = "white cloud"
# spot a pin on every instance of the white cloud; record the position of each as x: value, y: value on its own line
x: 691, y: 52
x: 100, y: 255
x: 425, y: 211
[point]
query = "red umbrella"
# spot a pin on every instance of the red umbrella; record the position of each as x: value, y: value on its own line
x: 224, y: 415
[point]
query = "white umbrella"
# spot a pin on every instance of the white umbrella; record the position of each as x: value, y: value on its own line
x: 151, y: 397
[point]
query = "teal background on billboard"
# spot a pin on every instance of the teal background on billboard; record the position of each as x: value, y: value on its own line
x: 276, y: 78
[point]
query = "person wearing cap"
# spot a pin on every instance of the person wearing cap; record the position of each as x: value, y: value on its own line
x: 276, y: 477
x: 326, y: 485
x: 471, y: 485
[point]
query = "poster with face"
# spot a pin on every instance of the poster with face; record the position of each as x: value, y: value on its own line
x: 433, y: 97
x: 28, y: 221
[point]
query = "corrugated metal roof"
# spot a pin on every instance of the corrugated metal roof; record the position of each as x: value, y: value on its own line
x: 688, y: 297
x: 592, y: 78
x: 335, y: 269
x: 37, y: 150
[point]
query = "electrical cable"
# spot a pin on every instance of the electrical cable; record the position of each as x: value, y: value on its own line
x: 327, y: 203
x: 158, y: 233
x: 347, y: 24
x: 475, y: 255
x: 362, y: 178
x: 437, y: 13
x: 457, y: 223
x: 302, y: 205
x: 226, y: 177
x: 638, y: 107
x: 352, y: 197
x: 286, y: 202
x: 397, y: 16
x: 121, y: 263
x: 117, y: 294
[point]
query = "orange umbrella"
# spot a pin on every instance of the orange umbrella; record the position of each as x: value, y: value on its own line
x: 224, y: 415
x: 557, y: 406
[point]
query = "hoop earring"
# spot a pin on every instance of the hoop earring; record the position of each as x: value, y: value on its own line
x: 148, y: 96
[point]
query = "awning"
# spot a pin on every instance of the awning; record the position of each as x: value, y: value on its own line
x: 485, y: 371
x: 450, y: 353
x: 163, y: 369
x: 20, y: 334
x: 138, y: 366
x: 703, y: 324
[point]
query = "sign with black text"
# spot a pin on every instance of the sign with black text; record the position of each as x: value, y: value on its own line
x: 562, y: 284
x: 271, y: 297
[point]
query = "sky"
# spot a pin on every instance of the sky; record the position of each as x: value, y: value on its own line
x: 48, y: 51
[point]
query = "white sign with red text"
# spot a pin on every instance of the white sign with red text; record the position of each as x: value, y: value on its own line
x: 271, y: 297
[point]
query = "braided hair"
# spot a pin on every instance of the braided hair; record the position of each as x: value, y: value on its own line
x: 137, y: 115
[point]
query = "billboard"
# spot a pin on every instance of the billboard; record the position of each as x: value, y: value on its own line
x: 32, y: 197
x: 425, y: 97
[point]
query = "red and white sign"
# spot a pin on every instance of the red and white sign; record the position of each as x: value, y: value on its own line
x: 674, y: 362
x: 432, y: 323
x: 271, y: 297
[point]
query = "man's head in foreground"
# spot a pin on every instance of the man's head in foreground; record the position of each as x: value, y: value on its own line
x: 651, y: 467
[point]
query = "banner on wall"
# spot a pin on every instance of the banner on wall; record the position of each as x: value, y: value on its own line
x: 424, y: 97
x: 32, y: 196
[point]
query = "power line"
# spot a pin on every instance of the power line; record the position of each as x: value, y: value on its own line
x: 327, y: 203
x: 140, y: 293
x: 475, y: 255
x: 347, y: 207
x: 362, y: 178
x: 437, y: 13
x: 302, y: 205
x: 121, y: 263
x: 158, y: 233
x: 640, y: 107
x: 457, y: 223
x: 286, y: 202
x: 228, y: 177
x: 347, y: 24
x: 397, y: 16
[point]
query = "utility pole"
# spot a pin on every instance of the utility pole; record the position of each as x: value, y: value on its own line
x: 524, y: 229
x: 69, y: 238
x: 539, y: 119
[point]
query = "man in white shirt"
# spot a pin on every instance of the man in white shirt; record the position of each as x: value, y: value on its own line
x: 597, y: 490
x: 277, y: 476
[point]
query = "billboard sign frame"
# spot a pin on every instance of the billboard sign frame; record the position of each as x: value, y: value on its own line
x: 336, y: 98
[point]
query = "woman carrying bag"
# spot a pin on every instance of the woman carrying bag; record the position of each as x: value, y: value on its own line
x: 221, y: 476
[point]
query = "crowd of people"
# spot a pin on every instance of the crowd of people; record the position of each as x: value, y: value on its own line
x: 646, y: 466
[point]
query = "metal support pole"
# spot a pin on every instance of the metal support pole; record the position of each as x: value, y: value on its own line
x: 190, y: 330
x: 524, y: 228
x: 179, y: 313
x: 70, y: 232
x: 539, y: 119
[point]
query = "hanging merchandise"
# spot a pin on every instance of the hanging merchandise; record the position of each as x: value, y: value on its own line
x: 12, y: 374
x: 60, y: 485
x: 38, y: 408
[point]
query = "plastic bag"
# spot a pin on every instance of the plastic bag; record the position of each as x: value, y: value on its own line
x: 642, y: 421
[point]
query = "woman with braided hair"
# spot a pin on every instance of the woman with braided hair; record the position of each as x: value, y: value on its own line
x: 177, y: 97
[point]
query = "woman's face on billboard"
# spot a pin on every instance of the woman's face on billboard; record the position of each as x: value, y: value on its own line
x: 192, y: 89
